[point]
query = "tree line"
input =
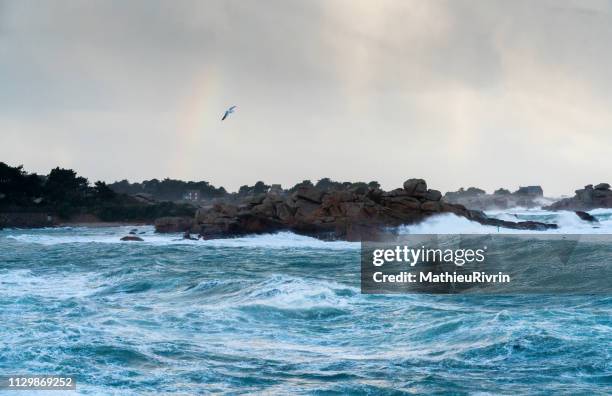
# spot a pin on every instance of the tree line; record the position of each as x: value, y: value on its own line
x: 66, y: 194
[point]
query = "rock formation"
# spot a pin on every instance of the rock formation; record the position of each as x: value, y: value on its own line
x: 132, y: 238
x: 587, y: 198
x: 173, y: 224
x: 477, y: 199
x: 361, y: 213
x: 530, y: 191
x: 586, y: 216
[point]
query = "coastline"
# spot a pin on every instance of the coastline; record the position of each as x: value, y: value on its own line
x: 29, y: 222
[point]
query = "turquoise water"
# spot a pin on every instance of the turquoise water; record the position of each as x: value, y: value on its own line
x: 277, y: 314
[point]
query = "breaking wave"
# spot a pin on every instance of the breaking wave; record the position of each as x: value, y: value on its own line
x: 281, y: 314
x: 106, y: 235
x: 568, y: 222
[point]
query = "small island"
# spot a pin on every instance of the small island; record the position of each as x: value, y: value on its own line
x: 328, y: 210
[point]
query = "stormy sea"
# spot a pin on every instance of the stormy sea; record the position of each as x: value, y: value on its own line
x: 282, y: 314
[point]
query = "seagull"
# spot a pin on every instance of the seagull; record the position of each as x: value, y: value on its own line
x: 228, y: 112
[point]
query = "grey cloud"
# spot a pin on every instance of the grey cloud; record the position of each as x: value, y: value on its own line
x: 347, y: 89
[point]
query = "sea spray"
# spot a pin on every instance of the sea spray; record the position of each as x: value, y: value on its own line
x: 274, y: 314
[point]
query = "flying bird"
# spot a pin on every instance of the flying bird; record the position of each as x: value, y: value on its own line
x: 228, y: 112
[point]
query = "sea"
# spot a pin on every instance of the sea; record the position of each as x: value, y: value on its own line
x: 282, y: 314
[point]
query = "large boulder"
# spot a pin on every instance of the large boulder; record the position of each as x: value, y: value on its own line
x: 265, y: 208
x: 398, y: 192
x: 255, y: 199
x: 431, y: 195
x: 311, y: 194
x: 305, y: 209
x: 586, y: 216
x: 132, y: 238
x: 415, y: 186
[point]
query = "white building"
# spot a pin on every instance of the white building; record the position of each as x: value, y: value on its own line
x: 192, y: 195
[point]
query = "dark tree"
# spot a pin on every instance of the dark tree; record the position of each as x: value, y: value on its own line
x: 103, y: 192
x: 17, y: 186
x: 244, y: 190
x: 168, y: 189
x: 304, y: 183
x: 63, y: 185
x: 125, y: 187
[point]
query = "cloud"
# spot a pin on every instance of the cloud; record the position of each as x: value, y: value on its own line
x: 459, y: 92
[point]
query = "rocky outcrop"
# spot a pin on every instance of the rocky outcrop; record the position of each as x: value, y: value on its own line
x: 587, y: 198
x: 361, y: 213
x: 132, y: 238
x: 531, y: 191
x: 586, y: 216
x: 477, y: 199
x: 414, y: 187
x: 173, y: 224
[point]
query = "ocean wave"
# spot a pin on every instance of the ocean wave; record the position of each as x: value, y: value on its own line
x: 568, y: 222
x: 185, y: 320
x: 280, y: 240
x: 287, y: 295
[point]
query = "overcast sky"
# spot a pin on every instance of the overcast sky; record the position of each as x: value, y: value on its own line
x: 461, y: 93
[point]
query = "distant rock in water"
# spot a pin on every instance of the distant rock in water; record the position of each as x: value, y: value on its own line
x: 187, y: 235
x: 477, y: 199
x: 531, y: 191
x: 132, y: 238
x: 587, y: 198
x: 586, y: 216
x: 359, y: 213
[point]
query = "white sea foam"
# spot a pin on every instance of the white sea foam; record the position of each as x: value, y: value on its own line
x: 568, y: 222
x: 279, y: 240
x: 447, y: 224
x: 287, y: 292
x: 16, y: 283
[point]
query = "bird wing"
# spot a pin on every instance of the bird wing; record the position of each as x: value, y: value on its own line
x: 225, y: 115
x: 231, y: 109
